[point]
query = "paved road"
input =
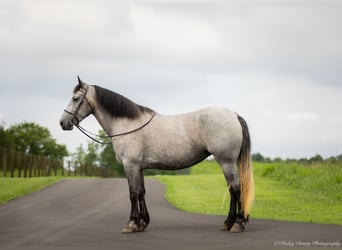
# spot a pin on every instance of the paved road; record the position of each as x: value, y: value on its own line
x: 91, y: 212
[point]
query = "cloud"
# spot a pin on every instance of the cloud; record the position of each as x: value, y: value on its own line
x: 303, y: 116
x: 278, y: 65
x: 173, y: 34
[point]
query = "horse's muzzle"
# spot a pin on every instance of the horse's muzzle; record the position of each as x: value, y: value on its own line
x: 68, y: 124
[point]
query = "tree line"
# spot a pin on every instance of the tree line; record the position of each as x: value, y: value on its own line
x: 40, y: 154
x: 30, y: 148
x: 33, y: 139
x: 257, y: 157
x: 100, y: 155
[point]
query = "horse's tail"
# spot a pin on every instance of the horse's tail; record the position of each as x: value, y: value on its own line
x: 246, y: 170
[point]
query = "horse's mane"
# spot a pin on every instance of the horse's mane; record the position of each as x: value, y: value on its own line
x: 118, y: 105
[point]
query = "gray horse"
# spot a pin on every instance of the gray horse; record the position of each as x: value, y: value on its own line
x: 143, y: 139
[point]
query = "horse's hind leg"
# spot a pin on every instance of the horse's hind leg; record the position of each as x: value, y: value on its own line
x: 232, y: 223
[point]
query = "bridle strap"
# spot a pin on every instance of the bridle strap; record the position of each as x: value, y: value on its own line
x: 75, y: 112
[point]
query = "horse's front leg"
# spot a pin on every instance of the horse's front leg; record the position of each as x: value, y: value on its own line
x: 144, y: 216
x: 133, y: 177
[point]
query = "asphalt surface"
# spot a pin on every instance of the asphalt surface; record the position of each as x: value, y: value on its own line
x: 89, y: 213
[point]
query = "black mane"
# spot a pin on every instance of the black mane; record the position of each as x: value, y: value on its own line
x: 118, y: 105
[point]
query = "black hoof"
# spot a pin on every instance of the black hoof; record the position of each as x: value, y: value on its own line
x: 142, y: 226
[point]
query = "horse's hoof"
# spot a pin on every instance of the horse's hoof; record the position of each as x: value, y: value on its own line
x: 224, y: 227
x: 237, y: 228
x: 142, y: 226
x: 227, y: 226
x: 141, y: 229
x: 129, y: 228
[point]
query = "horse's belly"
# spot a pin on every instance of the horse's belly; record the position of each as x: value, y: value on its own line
x: 176, y: 157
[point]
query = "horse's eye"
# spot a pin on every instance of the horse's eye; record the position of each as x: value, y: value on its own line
x: 75, y: 97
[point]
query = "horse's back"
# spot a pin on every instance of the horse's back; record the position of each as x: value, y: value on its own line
x: 206, y: 127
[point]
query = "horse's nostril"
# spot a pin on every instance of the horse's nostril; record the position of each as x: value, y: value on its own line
x: 61, y: 123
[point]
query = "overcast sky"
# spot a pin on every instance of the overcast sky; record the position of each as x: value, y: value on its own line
x: 277, y: 63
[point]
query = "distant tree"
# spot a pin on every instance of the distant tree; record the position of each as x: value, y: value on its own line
x: 79, y: 155
x: 316, y: 158
x: 303, y: 160
x: 91, y: 157
x: 258, y: 157
x: 277, y: 159
x: 6, y: 139
x: 339, y: 157
x: 290, y: 160
x: 107, y: 158
x: 331, y: 159
x: 34, y: 139
x: 97, y: 155
x: 267, y: 159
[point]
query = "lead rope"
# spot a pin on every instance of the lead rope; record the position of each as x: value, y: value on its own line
x: 88, y: 133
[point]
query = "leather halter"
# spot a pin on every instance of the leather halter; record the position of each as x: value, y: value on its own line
x: 74, y: 113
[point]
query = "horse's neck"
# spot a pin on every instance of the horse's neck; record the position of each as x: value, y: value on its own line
x: 114, y: 125
x: 105, y: 120
x: 110, y: 124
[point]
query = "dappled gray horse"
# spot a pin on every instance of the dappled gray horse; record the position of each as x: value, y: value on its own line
x: 143, y: 139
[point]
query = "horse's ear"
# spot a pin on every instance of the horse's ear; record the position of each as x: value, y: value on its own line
x: 80, y: 83
x: 79, y: 80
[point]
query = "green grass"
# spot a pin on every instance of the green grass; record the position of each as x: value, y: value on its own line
x: 283, y: 191
x: 11, y: 188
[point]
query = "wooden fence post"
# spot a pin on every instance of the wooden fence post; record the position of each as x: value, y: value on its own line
x: 75, y: 168
x: 55, y: 166
x: 26, y: 162
x: 62, y: 164
x: 4, y: 155
x: 19, y: 160
x: 39, y: 165
x: 34, y: 166
x: 47, y: 166
x: 31, y: 160
x: 12, y: 164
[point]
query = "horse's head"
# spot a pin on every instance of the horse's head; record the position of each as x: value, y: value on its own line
x: 78, y: 108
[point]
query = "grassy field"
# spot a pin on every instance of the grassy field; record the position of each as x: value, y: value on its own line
x: 283, y: 191
x: 11, y: 188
